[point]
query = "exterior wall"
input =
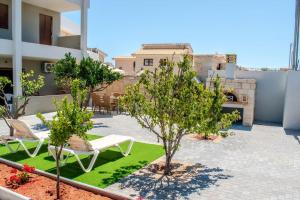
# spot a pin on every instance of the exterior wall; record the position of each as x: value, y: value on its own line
x: 43, y: 104
x: 120, y: 85
x: 7, y: 33
x: 240, y: 88
x: 156, y: 58
x: 125, y: 64
x: 30, y: 23
x: 50, y: 86
x: 204, y: 63
x: 102, y: 58
x: 5, y: 63
x: 270, y: 94
x: 291, y: 119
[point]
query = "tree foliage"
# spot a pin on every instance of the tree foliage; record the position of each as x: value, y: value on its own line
x: 70, y: 120
x: 30, y: 86
x: 216, y: 119
x: 95, y: 75
x: 171, y: 104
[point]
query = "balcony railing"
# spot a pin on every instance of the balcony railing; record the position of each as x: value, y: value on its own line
x: 72, y: 42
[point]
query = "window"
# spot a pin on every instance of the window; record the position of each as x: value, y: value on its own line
x: 134, y: 66
x: 163, y: 62
x: 4, y: 16
x: 148, y: 62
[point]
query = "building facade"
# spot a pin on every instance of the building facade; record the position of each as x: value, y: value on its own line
x: 150, y: 56
x: 31, y: 38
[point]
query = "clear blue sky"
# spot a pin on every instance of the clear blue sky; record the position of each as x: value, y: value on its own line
x: 258, y: 31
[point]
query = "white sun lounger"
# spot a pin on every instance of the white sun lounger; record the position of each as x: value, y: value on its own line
x: 22, y: 134
x: 79, y: 146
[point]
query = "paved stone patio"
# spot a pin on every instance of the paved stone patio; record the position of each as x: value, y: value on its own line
x: 262, y: 163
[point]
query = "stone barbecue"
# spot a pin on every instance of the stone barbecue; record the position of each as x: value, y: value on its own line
x: 241, y: 95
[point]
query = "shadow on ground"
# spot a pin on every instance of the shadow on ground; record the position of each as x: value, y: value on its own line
x: 295, y: 134
x: 148, y: 186
x: 240, y: 127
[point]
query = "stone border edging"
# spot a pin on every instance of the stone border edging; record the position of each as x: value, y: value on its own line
x: 77, y: 184
x: 11, y: 195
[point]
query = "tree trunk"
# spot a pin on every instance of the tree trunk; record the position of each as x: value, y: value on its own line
x: 57, y: 154
x: 168, y: 167
x: 88, y: 97
x: 11, y: 131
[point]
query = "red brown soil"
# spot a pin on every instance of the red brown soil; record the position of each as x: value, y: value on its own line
x: 182, y: 172
x: 213, y: 138
x: 42, y: 188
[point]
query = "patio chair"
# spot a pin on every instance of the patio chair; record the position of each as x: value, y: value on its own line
x: 97, y: 101
x: 22, y: 134
x: 78, y: 146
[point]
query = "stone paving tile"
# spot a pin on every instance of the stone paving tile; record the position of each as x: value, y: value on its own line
x: 258, y: 163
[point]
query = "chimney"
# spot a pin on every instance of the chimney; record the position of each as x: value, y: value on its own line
x: 230, y: 70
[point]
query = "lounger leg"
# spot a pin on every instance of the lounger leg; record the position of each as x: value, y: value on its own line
x: 91, y: 165
x: 128, y: 149
x: 11, y: 149
x: 62, y: 160
x: 36, y: 149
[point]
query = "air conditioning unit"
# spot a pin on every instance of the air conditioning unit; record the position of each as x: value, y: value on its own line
x: 47, y: 67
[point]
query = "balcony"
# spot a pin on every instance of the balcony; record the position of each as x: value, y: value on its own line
x: 38, y: 51
x: 56, y: 5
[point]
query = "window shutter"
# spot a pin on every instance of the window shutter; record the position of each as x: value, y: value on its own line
x: 3, y: 16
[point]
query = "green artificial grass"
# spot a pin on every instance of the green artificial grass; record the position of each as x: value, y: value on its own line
x: 110, y: 166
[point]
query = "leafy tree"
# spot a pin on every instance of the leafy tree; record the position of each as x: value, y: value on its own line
x: 216, y: 120
x: 96, y: 75
x: 65, y: 70
x: 171, y: 104
x: 70, y: 119
x: 30, y: 86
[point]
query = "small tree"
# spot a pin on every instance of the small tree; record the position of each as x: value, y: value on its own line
x: 30, y: 86
x: 96, y: 75
x: 216, y: 120
x: 70, y: 119
x: 65, y: 70
x: 170, y: 104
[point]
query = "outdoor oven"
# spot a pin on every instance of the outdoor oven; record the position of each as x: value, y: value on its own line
x: 240, y: 94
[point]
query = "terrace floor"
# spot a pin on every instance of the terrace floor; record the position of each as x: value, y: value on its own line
x: 258, y: 163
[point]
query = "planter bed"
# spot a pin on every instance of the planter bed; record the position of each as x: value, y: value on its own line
x: 41, y: 187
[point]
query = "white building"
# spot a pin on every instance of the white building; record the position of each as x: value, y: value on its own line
x: 31, y: 35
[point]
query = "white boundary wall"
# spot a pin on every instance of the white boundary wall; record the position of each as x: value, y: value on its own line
x: 291, y: 119
x: 270, y: 94
x: 43, y: 104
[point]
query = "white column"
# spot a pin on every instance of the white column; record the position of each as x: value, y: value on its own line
x: 17, y: 45
x: 84, y: 25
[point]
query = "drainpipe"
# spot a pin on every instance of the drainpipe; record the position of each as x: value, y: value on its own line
x: 290, y: 56
x: 296, y: 37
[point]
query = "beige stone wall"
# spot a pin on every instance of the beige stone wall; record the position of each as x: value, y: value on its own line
x: 241, y: 88
x: 156, y: 60
x: 125, y: 64
x: 204, y: 63
x: 120, y: 85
